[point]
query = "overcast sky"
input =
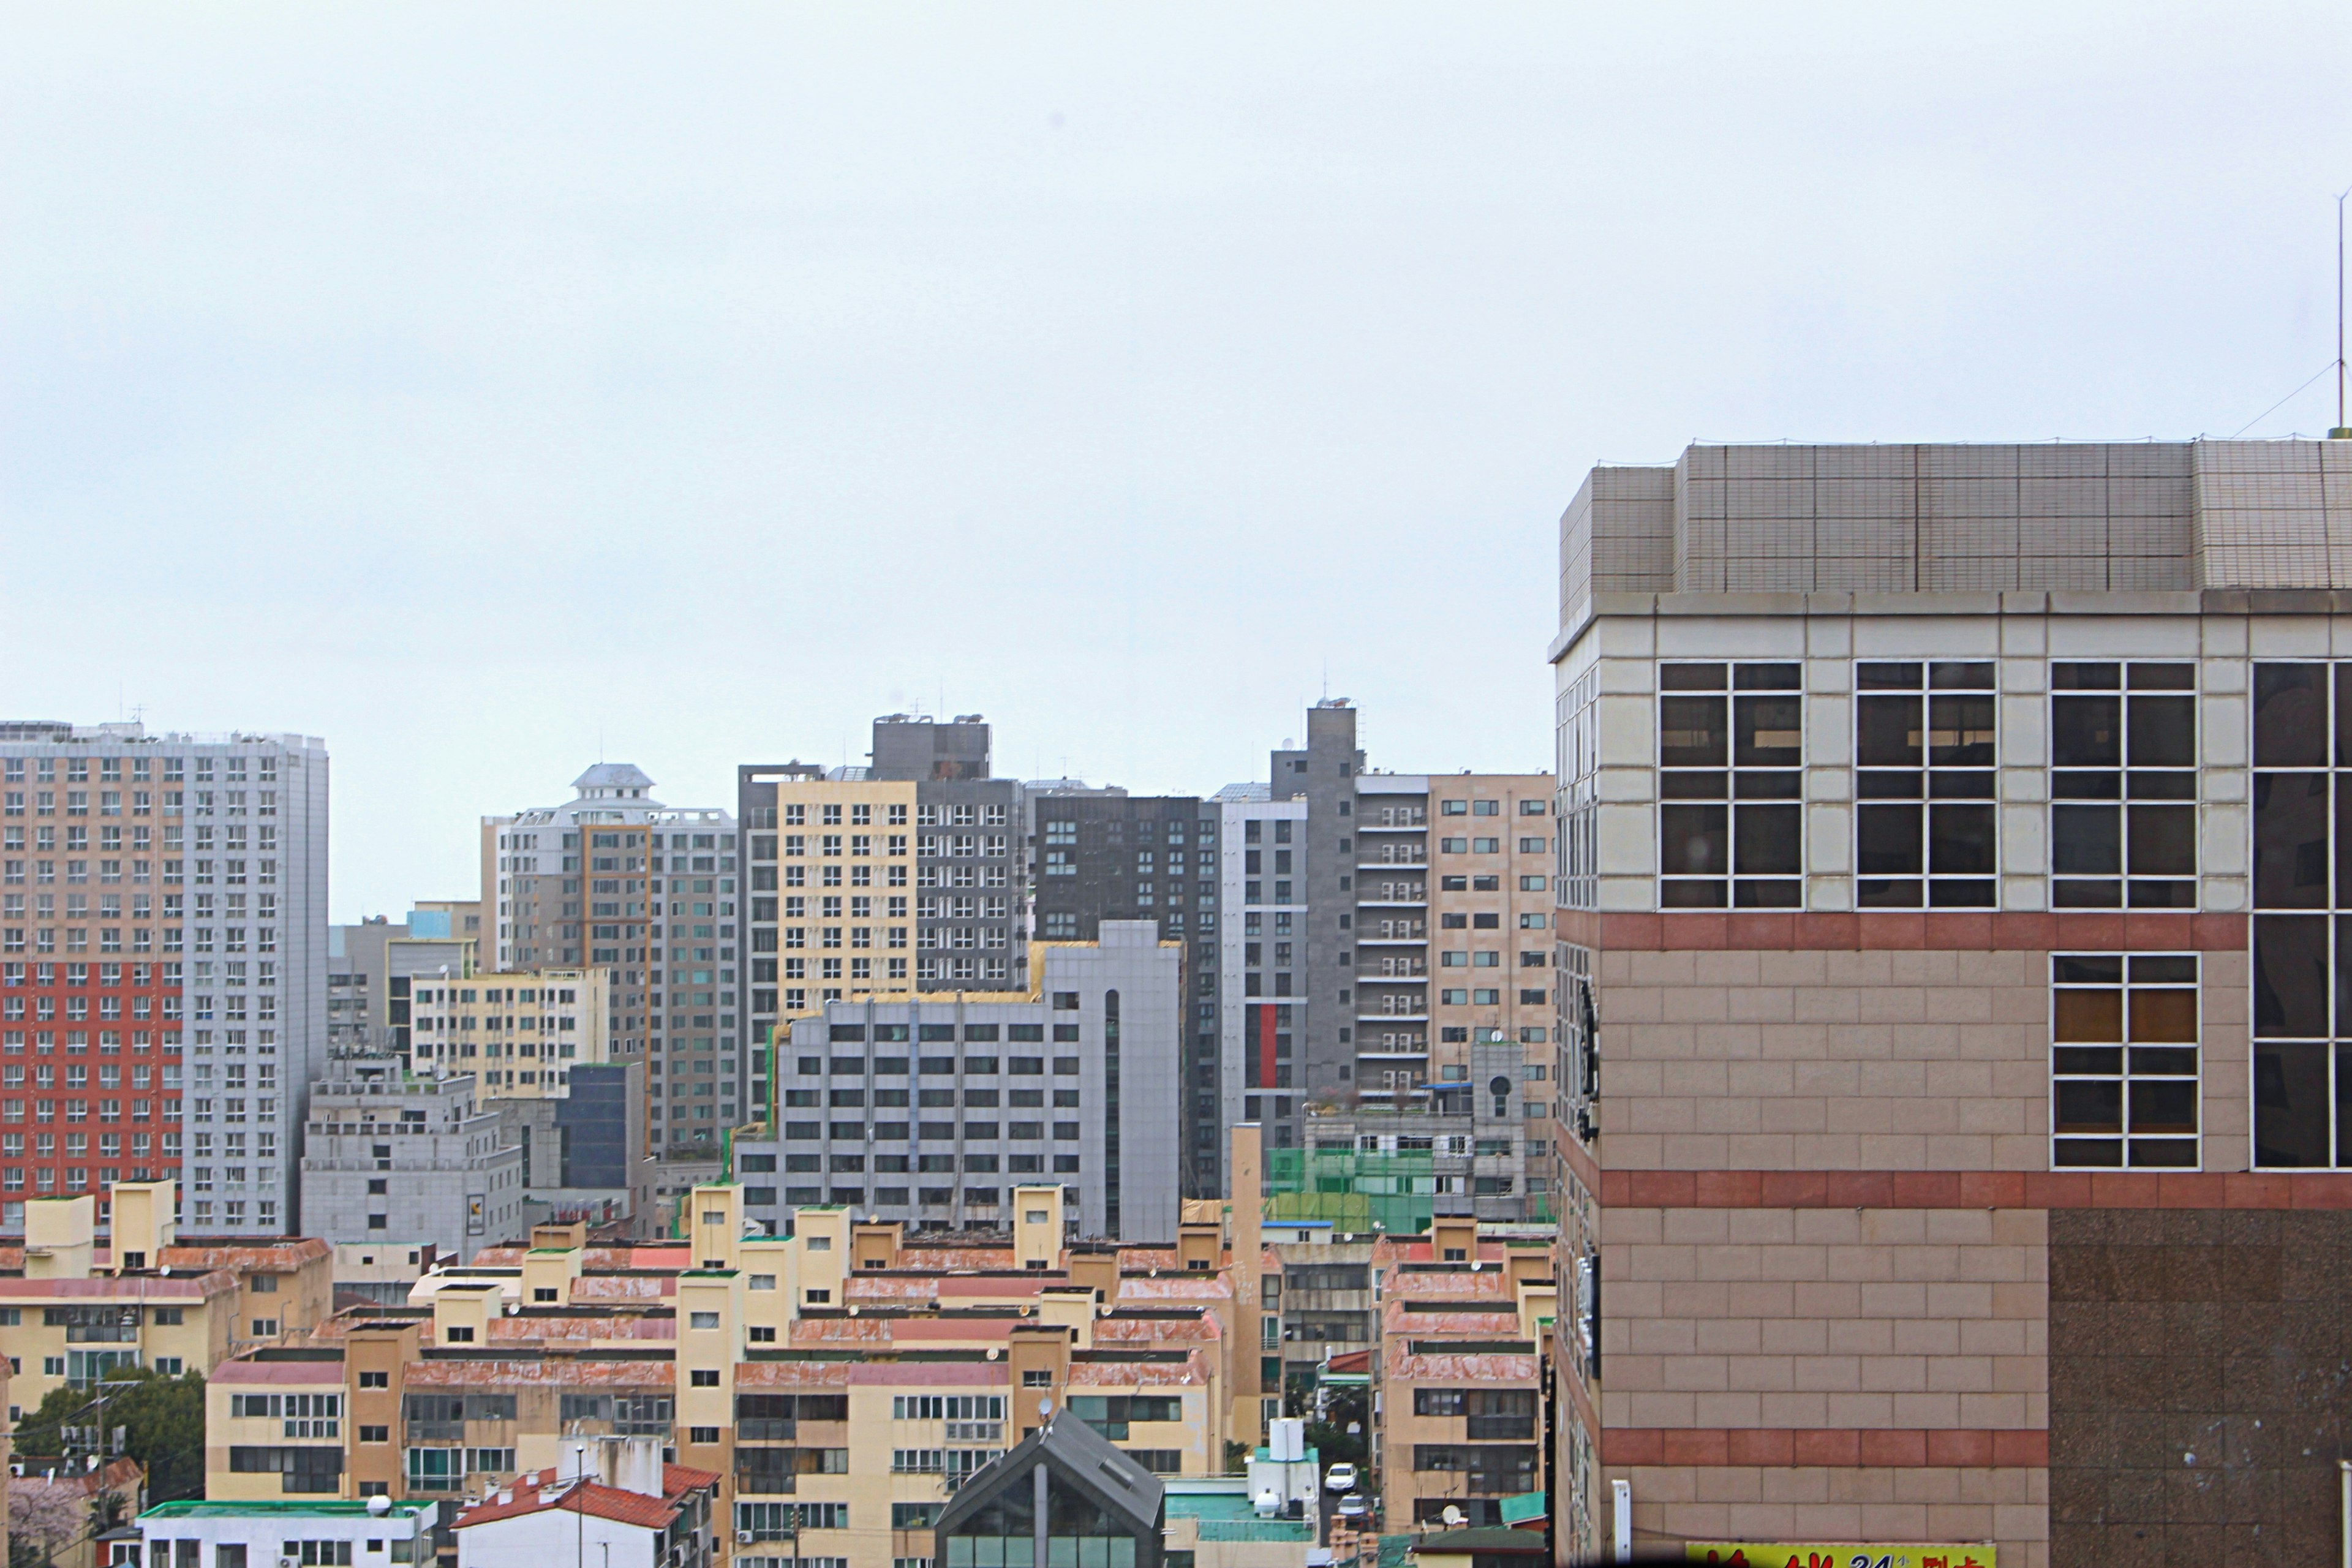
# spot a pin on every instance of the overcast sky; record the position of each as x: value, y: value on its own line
x: 494, y: 388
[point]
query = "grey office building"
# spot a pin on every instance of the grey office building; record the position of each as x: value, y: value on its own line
x: 394, y: 1159
x: 583, y: 1155
x: 924, y: 1109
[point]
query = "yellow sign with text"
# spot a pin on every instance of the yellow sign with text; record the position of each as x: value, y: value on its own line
x: 1831, y: 1555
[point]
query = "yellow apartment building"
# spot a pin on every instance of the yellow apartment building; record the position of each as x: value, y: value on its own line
x: 72, y: 1309
x: 519, y: 1032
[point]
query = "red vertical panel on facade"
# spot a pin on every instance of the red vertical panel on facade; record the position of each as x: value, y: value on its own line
x: 1266, y: 1073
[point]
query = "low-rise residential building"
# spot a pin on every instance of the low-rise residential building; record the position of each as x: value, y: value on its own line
x: 74, y: 1311
x: 843, y: 1382
x: 322, y: 1533
x: 610, y: 1497
x: 1458, y: 1383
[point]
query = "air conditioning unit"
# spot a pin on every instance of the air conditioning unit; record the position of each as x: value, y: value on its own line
x: 289, y: 1562
x: 743, y: 1538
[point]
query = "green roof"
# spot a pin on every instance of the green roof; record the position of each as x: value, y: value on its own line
x: 1297, y: 1529
x: 199, y: 1508
x: 1206, y: 1505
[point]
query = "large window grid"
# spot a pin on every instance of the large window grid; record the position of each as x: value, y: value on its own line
x: 1730, y: 786
x: 1924, y: 755
x: 2123, y: 1061
x: 2301, y: 1067
x: 2123, y: 785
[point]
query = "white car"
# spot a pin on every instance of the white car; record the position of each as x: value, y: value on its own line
x: 1354, y: 1506
x: 1340, y: 1478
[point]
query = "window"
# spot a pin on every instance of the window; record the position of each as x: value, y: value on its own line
x: 1730, y: 749
x: 1923, y: 756
x: 2123, y: 785
x: 2299, y: 1073
x: 2123, y: 1061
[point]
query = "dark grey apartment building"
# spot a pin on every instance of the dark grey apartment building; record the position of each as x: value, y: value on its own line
x: 1105, y: 855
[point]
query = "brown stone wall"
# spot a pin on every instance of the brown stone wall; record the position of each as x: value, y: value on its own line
x: 2201, y: 1378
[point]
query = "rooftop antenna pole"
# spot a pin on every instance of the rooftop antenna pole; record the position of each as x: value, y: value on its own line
x: 2343, y: 431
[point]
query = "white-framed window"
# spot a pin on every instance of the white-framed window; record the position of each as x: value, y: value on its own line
x: 1926, y: 824
x: 2125, y: 1062
x: 1730, y: 786
x: 2123, y: 785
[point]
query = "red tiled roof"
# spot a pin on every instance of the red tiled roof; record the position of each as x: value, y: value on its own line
x: 591, y: 1497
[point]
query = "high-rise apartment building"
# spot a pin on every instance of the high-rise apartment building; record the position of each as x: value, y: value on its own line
x: 1103, y: 854
x: 615, y: 880
x: 1950, y: 852
x: 162, y: 910
x: 911, y: 873
x: 1385, y: 974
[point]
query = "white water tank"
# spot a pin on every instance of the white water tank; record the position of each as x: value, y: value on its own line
x: 1286, y: 1439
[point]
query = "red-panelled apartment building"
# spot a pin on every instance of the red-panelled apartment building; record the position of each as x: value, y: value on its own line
x: 163, y: 966
x: 1956, y: 938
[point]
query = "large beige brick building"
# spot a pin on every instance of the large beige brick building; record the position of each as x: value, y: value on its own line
x: 1951, y: 1138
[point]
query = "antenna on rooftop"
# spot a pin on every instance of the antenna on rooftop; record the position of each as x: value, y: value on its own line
x: 2343, y: 431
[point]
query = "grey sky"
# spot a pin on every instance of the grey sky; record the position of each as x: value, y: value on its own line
x: 482, y: 387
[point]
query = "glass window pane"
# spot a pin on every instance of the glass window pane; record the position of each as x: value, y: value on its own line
x: 1691, y: 732
x: 1768, y: 731
x: 2164, y: 1105
x: 2290, y: 980
x: 2290, y: 841
x: 2086, y: 731
x: 2290, y: 715
x: 2163, y: 731
x: 2158, y: 1016
x: 1692, y: 839
x: 1690, y: 677
x: 2071, y: 676
x: 1975, y: 675
x: 1887, y: 840
x: 2163, y: 840
x: 2090, y: 1106
x: 1878, y: 677
x: 1960, y: 840
x: 2095, y: 1016
x: 1766, y: 839
x: 1886, y: 732
x: 1764, y: 677
x: 1960, y: 731
x: 2291, y: 1104
x: 2086, y: 840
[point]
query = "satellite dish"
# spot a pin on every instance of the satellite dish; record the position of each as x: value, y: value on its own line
x: 379, y: 1505
x: 1452, y: 1516
x: 1045, y: 1406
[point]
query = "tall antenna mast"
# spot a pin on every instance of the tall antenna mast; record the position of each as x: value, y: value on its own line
x: 2343, y: 431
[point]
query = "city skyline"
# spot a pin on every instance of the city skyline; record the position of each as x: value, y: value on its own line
x: 1188, y: 360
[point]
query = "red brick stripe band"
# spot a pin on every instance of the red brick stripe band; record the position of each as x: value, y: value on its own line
x: 1976, y: 1190
x: 1988, y: 931
x: 1844, y: 1446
